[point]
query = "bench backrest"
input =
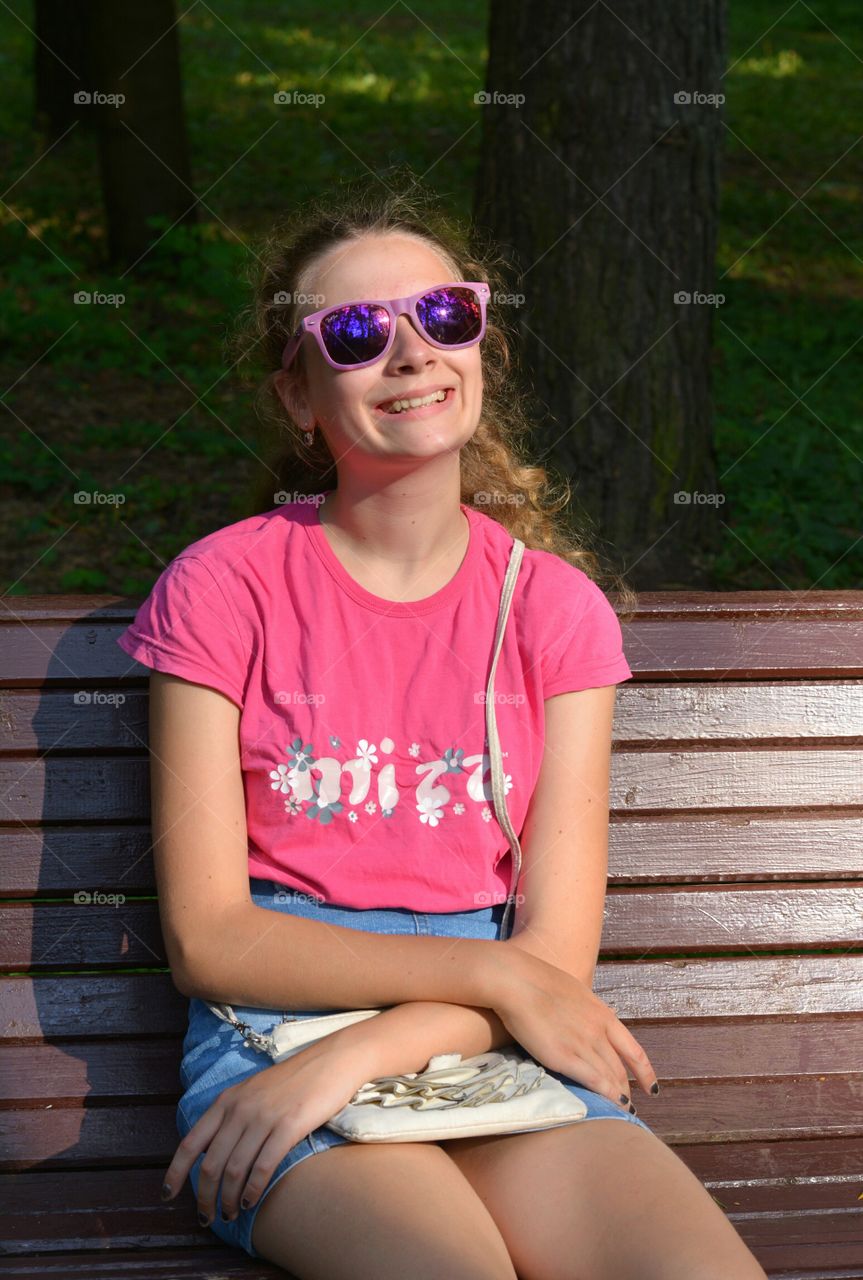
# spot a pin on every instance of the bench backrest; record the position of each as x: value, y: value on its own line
x: 731, y: 946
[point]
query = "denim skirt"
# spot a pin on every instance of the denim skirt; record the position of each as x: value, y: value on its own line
x: 214, y: 1056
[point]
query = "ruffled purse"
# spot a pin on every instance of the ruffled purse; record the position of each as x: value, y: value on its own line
x: 454, y: 1097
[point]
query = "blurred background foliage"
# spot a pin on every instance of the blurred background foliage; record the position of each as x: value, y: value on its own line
x: 138, y: 399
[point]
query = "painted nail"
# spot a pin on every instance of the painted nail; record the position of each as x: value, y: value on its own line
x: 624, y: 1099
x: 244, y: 1203
x: 225, y: 1216
x: 632, y: 1109
x: 203, y: 1219
x: 654, y: 1088
x: 166, y: 1191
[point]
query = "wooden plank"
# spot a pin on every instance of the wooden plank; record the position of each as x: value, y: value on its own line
x: 749, y: 1110
x: 214, y: 1263
x: 61, y: 789
x: 733, y: 711
x: 68, y: 1071
x: 744, y: 648
x: 54, y: 860
x: 111, y: 789
x: 114, y: 719
x: 691, y: 635
x: 91, y: 719
x: 642, y: 849
x: 125, y: 1005
x: 736, y: 779
x: 638, y: 921
x: 51, y: 1211
x: 85, y: 1005
x: 768, y: 605
x: 819, y: 843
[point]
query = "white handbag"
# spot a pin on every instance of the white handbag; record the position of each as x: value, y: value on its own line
x: 453, y: 1097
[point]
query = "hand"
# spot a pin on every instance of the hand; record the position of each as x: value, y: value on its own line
x: 253, y: 1124
x: 560, y: 1022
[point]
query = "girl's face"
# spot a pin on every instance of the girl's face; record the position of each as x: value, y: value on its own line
x: 362, y: 436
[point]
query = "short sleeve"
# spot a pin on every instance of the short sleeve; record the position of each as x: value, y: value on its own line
x: 586, y: 651
x: 188, y: 627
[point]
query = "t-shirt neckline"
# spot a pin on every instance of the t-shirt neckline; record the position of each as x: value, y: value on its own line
x: 448, y: 594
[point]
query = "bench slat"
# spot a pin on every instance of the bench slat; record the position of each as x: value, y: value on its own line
x: 749, y: 1111
x: 110, y: 789
x: 825, y: 844
x: 110, y: 1005
x: 68, y: 1071
x: 747, y: 918
x: 695, y: 635
x: 212, y: 1263
x: 43, y: 1209
x: 112, y: 720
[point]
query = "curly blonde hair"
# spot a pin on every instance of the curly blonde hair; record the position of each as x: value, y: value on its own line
x: 498, y: 476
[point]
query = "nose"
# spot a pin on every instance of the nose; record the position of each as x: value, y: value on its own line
x: 409, y: 349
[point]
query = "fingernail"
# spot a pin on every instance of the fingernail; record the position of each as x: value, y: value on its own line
x: 203, y: 1219
x: 225, y: 1216
x: 654, y: 1088
x: 244, y: 1203
x: 624, y: 1099
x: 632, y: 1109
x: 166, y: 1191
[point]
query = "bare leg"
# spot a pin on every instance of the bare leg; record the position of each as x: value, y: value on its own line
x: 383, y: 1211
x: 601, y: 1200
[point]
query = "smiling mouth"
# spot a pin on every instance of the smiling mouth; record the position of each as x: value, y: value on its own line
x: 407, y: 404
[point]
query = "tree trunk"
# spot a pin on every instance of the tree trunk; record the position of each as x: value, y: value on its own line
x: 143, y: 152
x: 605, y: 190
x: 60, y: 67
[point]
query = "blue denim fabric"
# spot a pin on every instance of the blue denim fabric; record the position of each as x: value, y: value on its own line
x: 215, y: 1058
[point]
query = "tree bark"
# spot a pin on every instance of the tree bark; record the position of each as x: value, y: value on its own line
x: 143, y: 151
x: 605, y: 191
x: 60, y: 66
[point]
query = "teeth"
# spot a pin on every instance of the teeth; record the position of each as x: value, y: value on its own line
x: 396, y: 406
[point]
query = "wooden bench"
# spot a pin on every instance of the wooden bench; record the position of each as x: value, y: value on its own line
x: 731, y: 947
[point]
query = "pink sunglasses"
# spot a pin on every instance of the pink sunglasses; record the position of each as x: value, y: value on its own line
x: 357, y: 334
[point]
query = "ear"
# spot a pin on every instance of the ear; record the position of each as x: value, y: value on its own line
x: 292, y: 395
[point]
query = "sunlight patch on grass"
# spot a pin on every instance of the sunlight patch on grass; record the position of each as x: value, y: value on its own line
x: 786, y: 62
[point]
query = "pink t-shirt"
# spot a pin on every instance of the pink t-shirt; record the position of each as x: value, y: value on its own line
x: 362, y: 729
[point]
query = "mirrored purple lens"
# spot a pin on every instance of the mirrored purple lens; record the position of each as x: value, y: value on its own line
x: 451, y: 316
x: 356, y: 333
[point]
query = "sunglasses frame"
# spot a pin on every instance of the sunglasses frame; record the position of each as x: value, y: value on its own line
x: 395, y: 307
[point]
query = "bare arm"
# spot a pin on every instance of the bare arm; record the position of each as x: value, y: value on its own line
x: 562, y: 890
x: 224, y: 948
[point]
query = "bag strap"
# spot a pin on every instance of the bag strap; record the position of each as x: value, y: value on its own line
x: 497, y: 779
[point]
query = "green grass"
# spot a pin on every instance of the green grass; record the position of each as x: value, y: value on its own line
x: 105, y: 397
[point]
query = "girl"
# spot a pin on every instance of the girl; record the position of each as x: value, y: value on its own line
x: 317, y: 736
